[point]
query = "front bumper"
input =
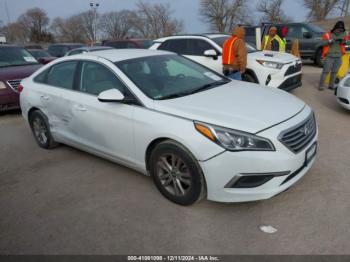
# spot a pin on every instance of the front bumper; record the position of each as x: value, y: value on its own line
x: 343, y: 96
x: 291, y: 83
x: 222, y: 169
x: 8, y: 100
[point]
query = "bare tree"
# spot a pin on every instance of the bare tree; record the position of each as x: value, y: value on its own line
x: 116, y: 25
x: 272, y: 11
x: 223, y: 15
x: 154, y: 21
x: 68, y: 30
x: 15, y: 33
x: 34, y: 22
x: 320, y: 9
x: 90, y: 24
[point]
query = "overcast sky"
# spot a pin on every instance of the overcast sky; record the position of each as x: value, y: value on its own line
x: 187, y: 10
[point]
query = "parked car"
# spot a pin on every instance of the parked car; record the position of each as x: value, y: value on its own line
x: 32, y: 46
x: 41, y: 55
x: 59, y: 50
x: 87, y: 49
x: 272, y: 69
x: 343, y: 92
x: 196, y: 132
x: 16, y: 63
x: 128, y: 43
x: 309, y: 37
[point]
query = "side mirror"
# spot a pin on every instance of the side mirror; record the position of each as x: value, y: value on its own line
x: 211, y: 53
x: 307, y: 35
x: 111, y: 95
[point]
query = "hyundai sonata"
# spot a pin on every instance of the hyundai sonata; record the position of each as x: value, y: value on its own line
x: 197, y: 133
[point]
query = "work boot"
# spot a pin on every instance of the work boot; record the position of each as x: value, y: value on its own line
x: 331, y: 88
x: 321, y: 88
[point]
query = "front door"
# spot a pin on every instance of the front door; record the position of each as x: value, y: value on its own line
x: 106, y: 128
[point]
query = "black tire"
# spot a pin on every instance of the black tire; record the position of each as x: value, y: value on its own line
x: 187, y: 165
x: 318, y: 58
x: 249, y: 78
x: 41, y: 130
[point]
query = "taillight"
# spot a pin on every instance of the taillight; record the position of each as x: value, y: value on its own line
x: 20, y: 88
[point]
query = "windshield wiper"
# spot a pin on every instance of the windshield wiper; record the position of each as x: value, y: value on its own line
x: 209, y: 86
x: 199, y: 89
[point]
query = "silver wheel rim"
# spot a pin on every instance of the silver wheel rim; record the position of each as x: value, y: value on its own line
x: 40, y: 130
x: 174, y: 174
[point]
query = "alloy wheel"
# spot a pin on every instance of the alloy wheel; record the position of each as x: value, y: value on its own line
x: 174, y: 174
x: 40, y: 130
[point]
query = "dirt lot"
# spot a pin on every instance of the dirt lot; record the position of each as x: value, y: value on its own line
x: 66, y: 201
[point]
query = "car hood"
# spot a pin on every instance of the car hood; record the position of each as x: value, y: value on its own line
x: 237, y: 105
x: 17, y: 72
x: 273, y: 56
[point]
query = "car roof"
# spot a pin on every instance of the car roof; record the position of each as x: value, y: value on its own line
x: 205, y: 35
x: 117, y: 55
x: 57, y: 44
x: 92, y: 48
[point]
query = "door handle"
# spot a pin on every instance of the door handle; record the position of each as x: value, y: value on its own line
x: 45, y: 97
x: 80, y: 108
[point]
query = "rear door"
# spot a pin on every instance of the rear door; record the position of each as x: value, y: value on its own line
x: 194, y: 49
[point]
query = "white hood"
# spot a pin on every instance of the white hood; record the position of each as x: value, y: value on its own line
x: 237, y: 105
x: 273, y: 57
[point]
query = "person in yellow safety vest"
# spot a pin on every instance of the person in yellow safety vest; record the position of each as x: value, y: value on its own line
x: 333, y: 49
x: 273, y: 42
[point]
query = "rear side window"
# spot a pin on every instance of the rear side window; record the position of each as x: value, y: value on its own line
x: 41, y: 78
x: 96, y: 78
x: 178, y: 46
x: 62, y: 75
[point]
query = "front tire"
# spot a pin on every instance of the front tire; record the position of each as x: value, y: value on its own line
x: 176, y: 173
x: 318, y: 58
x: 41, y: 130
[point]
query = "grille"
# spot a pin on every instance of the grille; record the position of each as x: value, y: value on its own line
x: 298, y: 137
x: 291, y: 83
x: 293, y: 69
x: 14, y: 84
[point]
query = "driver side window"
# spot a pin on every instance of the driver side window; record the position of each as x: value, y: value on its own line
x: 96, y: 78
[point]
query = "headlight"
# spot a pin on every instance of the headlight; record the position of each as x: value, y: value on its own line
x: 234, y: 140
x: 2, y: 85
x: 270, y: 64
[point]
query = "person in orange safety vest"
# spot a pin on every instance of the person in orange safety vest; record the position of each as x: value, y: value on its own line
x: 333, y: 49
x: 234, y: 55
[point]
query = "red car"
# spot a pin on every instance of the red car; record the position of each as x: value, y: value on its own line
x: 16, y: 63
x: 41, y: 55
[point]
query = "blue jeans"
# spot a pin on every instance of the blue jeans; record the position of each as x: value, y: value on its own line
x: 235, y: 76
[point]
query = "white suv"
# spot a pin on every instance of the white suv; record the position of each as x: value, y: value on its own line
x: 272, y: 69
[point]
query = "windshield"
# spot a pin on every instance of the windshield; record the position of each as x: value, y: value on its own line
x: 221, y: 40
x: 316, y: 28
x: 15, y: 56
x: 169, y: 76
x: 39, y: 53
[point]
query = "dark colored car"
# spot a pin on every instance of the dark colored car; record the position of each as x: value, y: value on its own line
x: 16, y: 63
x: 33, y: 46
x: 41, y: 55
x: 87, y: 49
x: 128, y: 43
x: 309, y: 36
x: 59, y: 50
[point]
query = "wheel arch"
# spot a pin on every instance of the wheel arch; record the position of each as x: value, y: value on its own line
x: 30, y: 111
x: 252, y: 73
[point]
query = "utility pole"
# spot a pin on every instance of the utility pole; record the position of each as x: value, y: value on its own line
x: 7, y: 12
x: 94, y: 6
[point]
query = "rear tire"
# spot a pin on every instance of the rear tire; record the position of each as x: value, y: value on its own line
x: 318, y: 58
x: 176, y: 173
x: 41, y: 130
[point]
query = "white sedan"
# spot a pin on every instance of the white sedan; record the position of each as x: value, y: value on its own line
x: 343, y: 92
x: 197, y: 133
